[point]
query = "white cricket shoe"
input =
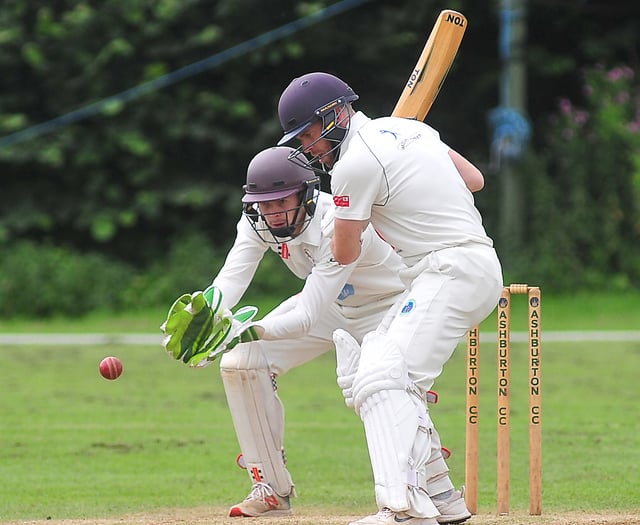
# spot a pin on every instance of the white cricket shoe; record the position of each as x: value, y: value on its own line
x: 453, y: 510
x: 388, y: 517
x: 262, y: 501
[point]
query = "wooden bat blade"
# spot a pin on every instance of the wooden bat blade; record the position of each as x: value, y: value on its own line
x: 432, y: 66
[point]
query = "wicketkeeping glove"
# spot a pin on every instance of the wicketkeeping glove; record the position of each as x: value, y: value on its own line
x: 242, y: 331
x: 190, y: 322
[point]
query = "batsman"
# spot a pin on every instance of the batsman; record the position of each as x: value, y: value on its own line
x: 399, y: 176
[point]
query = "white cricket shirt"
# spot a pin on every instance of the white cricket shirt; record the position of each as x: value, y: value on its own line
x: 397, y: 173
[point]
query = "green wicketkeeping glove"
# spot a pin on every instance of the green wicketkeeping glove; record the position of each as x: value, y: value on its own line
x: 248, y: 335
x: 240, y: 331
x: 177, y: 318
x: 190, y: 322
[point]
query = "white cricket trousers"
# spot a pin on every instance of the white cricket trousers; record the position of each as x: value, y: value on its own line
x: 448, y: 292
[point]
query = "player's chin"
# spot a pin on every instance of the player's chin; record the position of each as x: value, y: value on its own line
x: 326, y: 160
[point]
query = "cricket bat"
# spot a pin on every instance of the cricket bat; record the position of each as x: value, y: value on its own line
x: 432, y: 67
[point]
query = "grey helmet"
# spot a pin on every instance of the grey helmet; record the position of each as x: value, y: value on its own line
x: 270, y: 176
x: 311, y: 98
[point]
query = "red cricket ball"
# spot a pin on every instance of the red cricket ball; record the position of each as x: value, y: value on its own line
x: 111, y: 368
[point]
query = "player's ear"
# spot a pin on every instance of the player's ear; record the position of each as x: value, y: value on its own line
x: 343, y: 114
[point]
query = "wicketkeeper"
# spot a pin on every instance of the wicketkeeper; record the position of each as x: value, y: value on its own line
x: 284, y: 211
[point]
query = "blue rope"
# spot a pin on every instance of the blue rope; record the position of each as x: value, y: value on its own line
x: 511, y: 129
x: 511, y: 132
x: 180, y: 74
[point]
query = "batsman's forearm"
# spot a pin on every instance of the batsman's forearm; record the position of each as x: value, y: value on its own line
x: 346, y: 242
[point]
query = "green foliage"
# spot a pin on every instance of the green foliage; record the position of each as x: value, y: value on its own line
x: 128, y: 181
x: 103, y: 181
x: 45, y: 281
x: 191, y: 265
x: 584, y: 197
x: 186, y: 268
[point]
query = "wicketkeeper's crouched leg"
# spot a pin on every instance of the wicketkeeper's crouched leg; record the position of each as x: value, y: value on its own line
x: 258, y: 418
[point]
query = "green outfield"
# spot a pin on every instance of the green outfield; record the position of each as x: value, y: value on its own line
x: 158, y: 443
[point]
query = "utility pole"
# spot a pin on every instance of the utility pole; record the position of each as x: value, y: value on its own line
x: 511, y: 128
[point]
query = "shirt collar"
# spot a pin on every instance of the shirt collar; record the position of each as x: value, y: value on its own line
x: 357, y: 121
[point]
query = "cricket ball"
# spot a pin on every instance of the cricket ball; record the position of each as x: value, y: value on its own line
x: 111, y: 368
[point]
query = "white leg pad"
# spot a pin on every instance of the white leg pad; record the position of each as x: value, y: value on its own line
x: 433, y: 476
x: 347, y: 359
x: 397, y: 427
x: 258, y: 415
x: 419, y: 497
x: 437, y: 471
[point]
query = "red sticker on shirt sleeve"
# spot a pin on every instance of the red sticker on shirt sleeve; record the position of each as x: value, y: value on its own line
x: 341, y: 200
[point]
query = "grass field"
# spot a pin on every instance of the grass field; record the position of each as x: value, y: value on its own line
x: 157, y: 445
x: 580, y: 311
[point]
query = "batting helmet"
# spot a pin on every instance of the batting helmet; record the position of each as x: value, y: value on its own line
x: 308, y: 99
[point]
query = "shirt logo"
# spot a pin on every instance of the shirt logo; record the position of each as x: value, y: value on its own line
x: 406, y: 142
x: 342, y: 201
x: 283, y: 249
x: 347, y: 290
x: 408, y: 307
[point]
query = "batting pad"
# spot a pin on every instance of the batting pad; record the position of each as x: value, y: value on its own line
x: 257, y: 414
x: 397, y: 427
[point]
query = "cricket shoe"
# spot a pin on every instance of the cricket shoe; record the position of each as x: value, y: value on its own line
x: 262, y: 501
x: 389, y: 517
x: 452, y: 510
